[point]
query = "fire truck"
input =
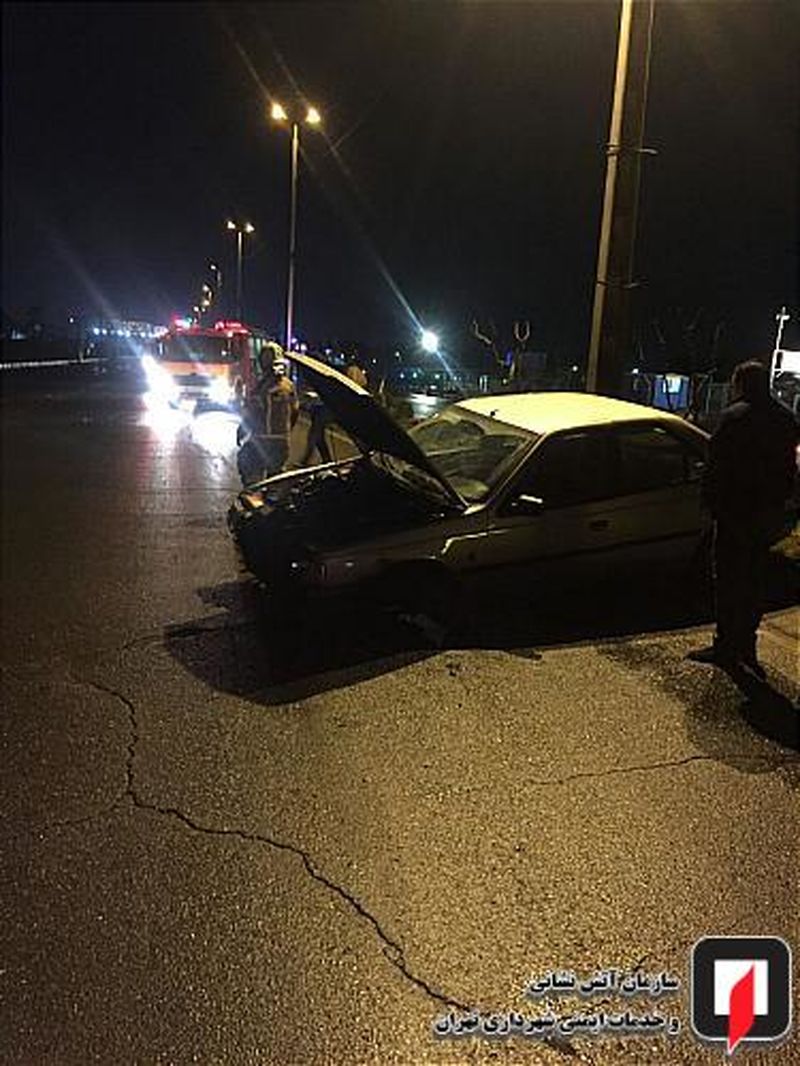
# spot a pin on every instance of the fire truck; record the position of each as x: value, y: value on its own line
x: 196, y: 366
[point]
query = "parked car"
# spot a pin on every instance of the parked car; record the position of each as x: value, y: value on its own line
x: 517, y: 485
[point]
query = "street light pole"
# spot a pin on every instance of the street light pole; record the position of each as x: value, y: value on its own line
x: 240, y: 229
x: 239, y: 275
x: 217, y: 275
x: 278, y: 113
x: 292, y: 235
x: 781, y: 318
x: 611, y: 318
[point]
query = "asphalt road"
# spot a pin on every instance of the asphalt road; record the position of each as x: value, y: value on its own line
x: 233, y: 838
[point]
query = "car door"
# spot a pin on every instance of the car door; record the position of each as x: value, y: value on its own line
x: 557, y: 511
x: 656, y: 515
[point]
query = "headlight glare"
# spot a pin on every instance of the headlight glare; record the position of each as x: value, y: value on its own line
x: 220, y: 390
x: 160, y: 382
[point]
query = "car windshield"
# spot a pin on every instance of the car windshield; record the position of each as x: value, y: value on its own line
x: 186, y: 348
x: 412, y: 476
x: 469, y: 451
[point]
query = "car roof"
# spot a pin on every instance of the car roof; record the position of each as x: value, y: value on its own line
x: 547, y: 412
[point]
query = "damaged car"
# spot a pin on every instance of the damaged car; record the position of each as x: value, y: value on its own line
x: 500, y: 488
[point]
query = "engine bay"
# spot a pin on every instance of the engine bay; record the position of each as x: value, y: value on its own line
x: 293, y: 519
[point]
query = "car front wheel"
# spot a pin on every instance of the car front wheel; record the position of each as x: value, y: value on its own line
x: 427, y: 596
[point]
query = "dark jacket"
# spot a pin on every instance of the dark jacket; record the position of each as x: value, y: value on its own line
x: 752, y: 461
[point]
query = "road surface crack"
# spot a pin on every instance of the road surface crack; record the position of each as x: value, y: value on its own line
x: 103, y: 812
x: 742, y: 761
x: 392, y: 951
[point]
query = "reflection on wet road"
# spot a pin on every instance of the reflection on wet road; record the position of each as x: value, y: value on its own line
x: 212, y: 432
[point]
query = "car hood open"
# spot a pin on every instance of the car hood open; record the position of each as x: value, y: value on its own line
x: 371, y: 428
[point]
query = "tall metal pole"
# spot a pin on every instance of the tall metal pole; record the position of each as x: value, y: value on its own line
x: 292, y: 236
x: 217, y: 283
x: 781, y: 318
x: 239, y: 239
x: 611, y: 318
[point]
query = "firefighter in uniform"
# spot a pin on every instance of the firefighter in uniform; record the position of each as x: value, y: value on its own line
x: 267, y: 422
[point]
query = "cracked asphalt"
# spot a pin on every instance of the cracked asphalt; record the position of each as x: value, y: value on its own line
x: 235, y: 838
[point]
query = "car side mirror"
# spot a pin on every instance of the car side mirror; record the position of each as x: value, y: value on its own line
x: 524, y: 504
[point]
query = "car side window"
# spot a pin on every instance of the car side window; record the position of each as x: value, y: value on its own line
x: 569, y: 468
x: 696, y: 448
x: 650, y: 458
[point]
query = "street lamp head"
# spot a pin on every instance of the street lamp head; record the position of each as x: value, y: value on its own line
x: 277, y: 112
x: 313, y: 117
x: 429, y: 341
x: 244, y: 227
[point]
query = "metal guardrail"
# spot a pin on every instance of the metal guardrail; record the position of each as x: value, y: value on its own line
x: 35, y: 364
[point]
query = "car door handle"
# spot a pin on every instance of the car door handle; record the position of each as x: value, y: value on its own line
x: 599, y: 523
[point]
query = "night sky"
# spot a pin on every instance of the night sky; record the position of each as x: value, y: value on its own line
x: 460, y: 171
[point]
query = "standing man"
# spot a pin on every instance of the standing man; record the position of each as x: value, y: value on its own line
x: 750, y: 474
x: 319, y: 420
x: 281, y: 409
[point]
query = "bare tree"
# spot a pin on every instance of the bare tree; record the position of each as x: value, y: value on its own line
x: 488, y: 337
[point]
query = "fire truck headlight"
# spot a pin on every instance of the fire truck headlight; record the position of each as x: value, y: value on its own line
x: 220, y: 390
x: 160, y: 382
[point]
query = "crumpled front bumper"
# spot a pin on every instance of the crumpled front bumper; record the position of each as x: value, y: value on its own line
x: 277, y: 563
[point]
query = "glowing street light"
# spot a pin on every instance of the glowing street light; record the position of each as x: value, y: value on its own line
x: 429, y: 341
x: 217, y: 275
x: 312, y: 118
x: 240, y: 229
